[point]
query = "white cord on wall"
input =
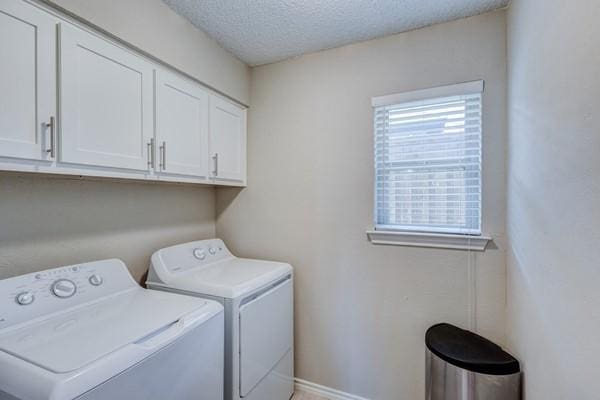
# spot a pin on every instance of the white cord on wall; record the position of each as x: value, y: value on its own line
x: 472, y: 288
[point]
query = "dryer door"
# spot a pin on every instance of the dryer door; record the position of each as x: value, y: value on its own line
x: 266, y: 325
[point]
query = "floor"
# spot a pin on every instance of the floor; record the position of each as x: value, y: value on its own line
x: 300, y: 395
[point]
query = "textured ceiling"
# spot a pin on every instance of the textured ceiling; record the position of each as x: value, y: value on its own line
x: 263, y: 31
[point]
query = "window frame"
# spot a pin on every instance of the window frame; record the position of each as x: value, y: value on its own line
x: 406, y: 236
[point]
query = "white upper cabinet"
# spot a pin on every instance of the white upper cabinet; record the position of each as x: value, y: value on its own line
x: 27, y: 81
x: 227, y: 141
x: 73, y: 101
x: 106, y: 102
x: 181, y: 126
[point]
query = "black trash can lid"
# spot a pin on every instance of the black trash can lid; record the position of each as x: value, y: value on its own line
x: 469, y: 351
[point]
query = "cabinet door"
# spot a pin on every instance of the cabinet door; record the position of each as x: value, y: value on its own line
x: 227, y: 140
x: 181, y: 126
x: 106, y: 96
x: 27, y: 80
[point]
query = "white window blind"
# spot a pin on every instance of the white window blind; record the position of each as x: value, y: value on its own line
x: 428, y: 160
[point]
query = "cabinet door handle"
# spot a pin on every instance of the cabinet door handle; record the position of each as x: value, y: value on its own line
x: 151, y: 154
x: 163, y: 156
x: 51, y: 125
x: 216, y: 158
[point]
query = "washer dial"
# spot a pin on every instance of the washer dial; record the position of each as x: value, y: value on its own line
x: 96, y: 280
x: 63, y: 288
x: 199, y: 254
x: 25, y: 298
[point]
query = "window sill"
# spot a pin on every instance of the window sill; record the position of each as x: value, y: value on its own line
x: 432, y: 240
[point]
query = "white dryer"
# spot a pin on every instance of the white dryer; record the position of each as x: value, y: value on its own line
x: 90, y: 332
x: 258, y: 300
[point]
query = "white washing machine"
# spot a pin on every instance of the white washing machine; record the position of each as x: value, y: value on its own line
x: 258, y: 300
x: 90, y: 332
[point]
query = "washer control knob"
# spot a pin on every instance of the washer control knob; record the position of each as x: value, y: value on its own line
x: 63, y: 288
x: 212, y: 250
x: 199, y: 254
x: 96, y: 280
x: 25, y: 298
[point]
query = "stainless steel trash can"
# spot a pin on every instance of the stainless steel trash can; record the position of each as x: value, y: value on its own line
x: 462, y: 365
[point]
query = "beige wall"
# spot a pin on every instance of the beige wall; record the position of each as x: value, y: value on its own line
x: 554, y: 196
x: 52, y: 221
x: 362, y: 310
x: 46, y: 222
x: 153, y: 27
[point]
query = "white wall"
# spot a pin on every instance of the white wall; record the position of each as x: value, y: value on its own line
x: 554, y: 196
x: 153, y: 27
x: 362, y: 310
x: 47, y: 222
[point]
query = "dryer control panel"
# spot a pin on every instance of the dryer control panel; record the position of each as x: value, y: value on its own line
x: 38, y: 294
x: 187, y: 256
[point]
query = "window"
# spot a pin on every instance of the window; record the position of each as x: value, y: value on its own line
x: 428, y: 160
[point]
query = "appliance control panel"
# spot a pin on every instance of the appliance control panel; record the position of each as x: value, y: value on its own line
x: 187, y: 256
x: 37, y: 294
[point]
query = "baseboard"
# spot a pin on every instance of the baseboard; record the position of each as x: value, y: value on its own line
x: 324, y: 391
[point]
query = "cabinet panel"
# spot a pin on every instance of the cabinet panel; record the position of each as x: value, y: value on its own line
x: 227, y: 140
x: 106, y: 102
x: 27, y: 79
x: 181, y: 126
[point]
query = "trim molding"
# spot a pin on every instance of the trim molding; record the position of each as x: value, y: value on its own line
x: 440, y: 91
x: 434, y: 240
x: 324, y: 391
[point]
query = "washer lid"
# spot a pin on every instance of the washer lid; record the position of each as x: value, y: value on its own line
x: 231, y: 278
x: 70, y: 340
